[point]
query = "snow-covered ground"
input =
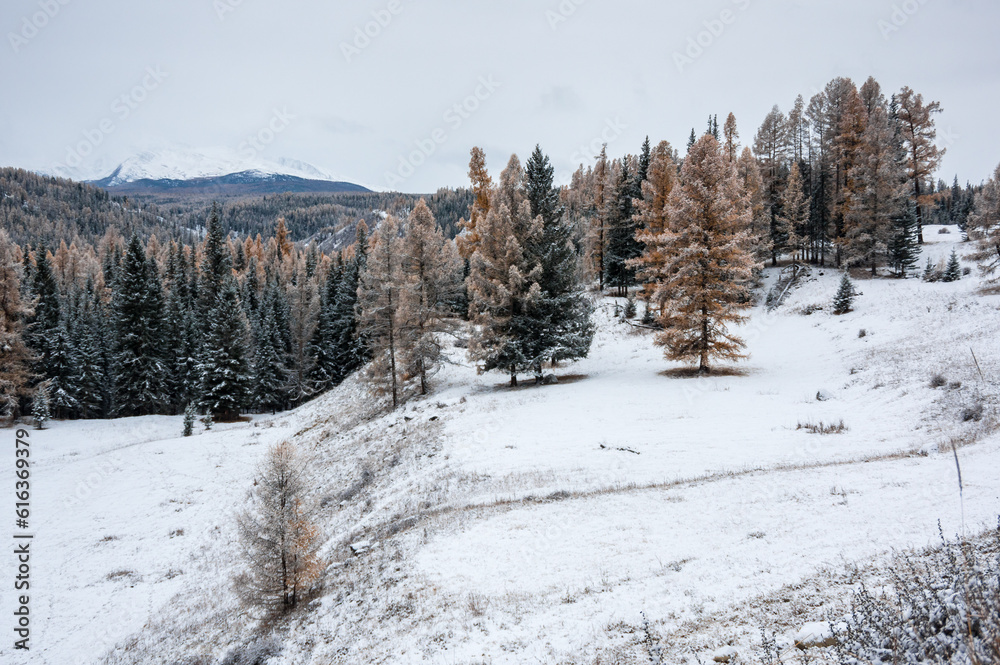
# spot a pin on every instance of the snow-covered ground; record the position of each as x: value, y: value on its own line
x: 541, y: 524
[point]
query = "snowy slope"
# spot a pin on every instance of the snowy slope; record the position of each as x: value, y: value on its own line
x: 537, y: 525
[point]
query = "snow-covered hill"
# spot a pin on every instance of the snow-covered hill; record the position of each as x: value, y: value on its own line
x: 541, y: 524
x: 177, y: 163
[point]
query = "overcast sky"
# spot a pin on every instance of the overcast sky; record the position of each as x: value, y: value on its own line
x: 567, y: 75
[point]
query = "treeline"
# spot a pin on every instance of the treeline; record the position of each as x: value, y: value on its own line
x: 128, y: 327
x: 35, y: 208
x: 847, y: 179
x: 328, y: 220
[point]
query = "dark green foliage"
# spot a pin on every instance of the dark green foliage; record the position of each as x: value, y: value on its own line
x: 225, y: 372
x: 903, y: 248
x: 140, y: 374
x: 622, y: 245
x: 844, y: 299
x: 559, y: 327
x: 953, y: 271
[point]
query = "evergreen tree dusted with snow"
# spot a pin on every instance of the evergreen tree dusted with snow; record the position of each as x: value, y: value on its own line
x: 43, y: 324
x: 140, y: 375
x: 844, y: 299
x: 270, y: 374
x: 324, y: 371
x: 565, y: 330
x: 503, y: 282
x: 952, y: 271
x: 40, y: 405
x: 622, y: 244
x: 707, y: 261
x: 349, y: 349
x: 64, y: 386
x: 224, y: 369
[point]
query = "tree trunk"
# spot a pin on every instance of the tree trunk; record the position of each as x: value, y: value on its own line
x: 513, y: 378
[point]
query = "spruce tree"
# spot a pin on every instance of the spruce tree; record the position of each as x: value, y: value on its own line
x: 63, y: 375
x: 189, y: 417
x: 140, y: 375
x: 323, y: 371
x: 270, y: 375
x: 44, y: 321
x: 953, y: 271
x: 224, y: 369
x: 903, y: 249
x: 844, y: 298
x: 563, y: 329
x: 622, y: 244
x: 40, y: 405
x: 350, y: 349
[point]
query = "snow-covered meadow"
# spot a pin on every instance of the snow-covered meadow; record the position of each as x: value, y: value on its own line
x: 542, y: 524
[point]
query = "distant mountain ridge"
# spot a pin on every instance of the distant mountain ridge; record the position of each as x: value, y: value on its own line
x: 219, y: 172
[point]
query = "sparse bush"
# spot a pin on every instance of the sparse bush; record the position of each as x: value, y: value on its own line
x: 257, y: 652
x: 862, y: 333
x: 823, y: 428
x: 954, y: 385
x: 944, y: 609
x: 973, y: 413
x: 279, y: 543
x: 938, y: 380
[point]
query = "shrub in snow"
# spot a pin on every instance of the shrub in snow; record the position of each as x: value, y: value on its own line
x: 938, y: 380
x: 257, y: 652
x: 946, y: 609
x: 845, y: 296
x: 647, y: 316
x: 207, y: 421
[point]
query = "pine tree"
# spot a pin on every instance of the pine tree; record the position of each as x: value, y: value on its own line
x: 350, y: 349
x: 431, y: 273
x: 322, y: 348
x: 562, y: 329
x: 903, y: 247
x: 984, y: 229
x: 770, y: 146
x: 64, y: 375
x: 139, y: 370
x: 216, y: 266
x: 708, y: 265
x: 224, y: 369
x: 381, y: 312
x: 46, y: 314
x: 692, y: 139
x: 795, y: 213
x: 270, y: 375
x: 752, y: 183
x: 40, y: 404
x: 503, y: 285
x: 622, y: 245
x: 953, y: 271
x: 15, y: 370
x: 845, y: 296
x: 189, y: 417
x: 916, y: 120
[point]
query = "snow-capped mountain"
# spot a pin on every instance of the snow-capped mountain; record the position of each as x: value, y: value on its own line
x: 219, y: 171
x: 187, y: 164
